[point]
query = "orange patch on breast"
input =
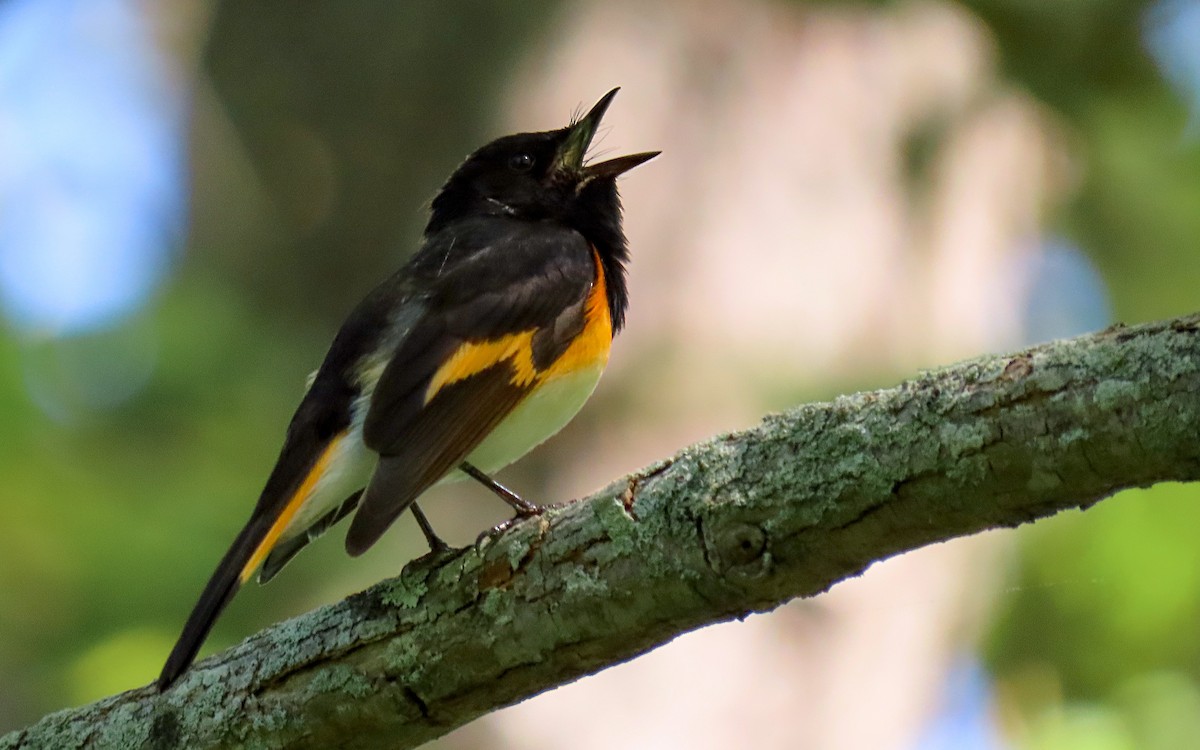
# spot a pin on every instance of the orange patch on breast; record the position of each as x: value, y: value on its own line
x: 294, y: 504
x: 592, y: 344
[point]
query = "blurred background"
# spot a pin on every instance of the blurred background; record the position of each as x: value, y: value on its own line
x: 193, y: 194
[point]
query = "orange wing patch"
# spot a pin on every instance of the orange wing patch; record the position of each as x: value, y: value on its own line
x: 294, y: 503
x: 589, y: 347
x: 473, y: 358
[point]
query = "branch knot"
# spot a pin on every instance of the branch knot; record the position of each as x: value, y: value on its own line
x: 737, y: 548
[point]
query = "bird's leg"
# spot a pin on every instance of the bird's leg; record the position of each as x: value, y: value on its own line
x: 524, y: 508
x: 436, y: 545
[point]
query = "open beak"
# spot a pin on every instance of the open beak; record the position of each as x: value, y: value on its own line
x: 573, y: 151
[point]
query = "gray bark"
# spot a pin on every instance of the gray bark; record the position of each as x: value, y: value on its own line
x: 739, y: 524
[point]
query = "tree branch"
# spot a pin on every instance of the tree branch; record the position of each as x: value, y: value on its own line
x: 735, y: 525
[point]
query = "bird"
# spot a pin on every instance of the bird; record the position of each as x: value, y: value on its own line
x: 483, y: 345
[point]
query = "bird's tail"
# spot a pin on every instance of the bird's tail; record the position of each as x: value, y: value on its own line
x: 225, y: 582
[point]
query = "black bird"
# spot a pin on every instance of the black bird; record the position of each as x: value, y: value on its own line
x: 487, y: 342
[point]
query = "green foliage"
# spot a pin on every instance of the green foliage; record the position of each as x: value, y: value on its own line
x: 1121, y: 579
x: 1094, y: 642
x: 351, y: 114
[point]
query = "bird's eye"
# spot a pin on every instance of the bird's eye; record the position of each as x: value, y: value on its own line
x: 522, y: 162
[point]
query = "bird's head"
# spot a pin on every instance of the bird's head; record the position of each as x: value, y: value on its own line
x: 537, y: 176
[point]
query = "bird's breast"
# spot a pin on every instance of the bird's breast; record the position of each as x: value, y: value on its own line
x: 558, y: 392
x: 590, y: 348
x: 538, y: 417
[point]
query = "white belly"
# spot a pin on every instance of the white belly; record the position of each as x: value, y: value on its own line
x: 535, y: 419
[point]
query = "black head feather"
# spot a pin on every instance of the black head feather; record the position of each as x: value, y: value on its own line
x: 541, y: 177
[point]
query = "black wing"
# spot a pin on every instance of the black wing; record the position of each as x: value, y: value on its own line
x: 498, y: 292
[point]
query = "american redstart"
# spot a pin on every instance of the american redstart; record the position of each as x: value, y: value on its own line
x: 487, y: 342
